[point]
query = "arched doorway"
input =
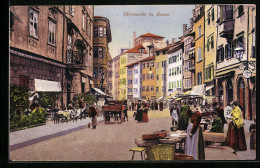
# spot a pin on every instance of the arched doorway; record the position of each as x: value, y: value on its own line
x: 241, y: 95
x: 229, y: 91
x: 220, y: 93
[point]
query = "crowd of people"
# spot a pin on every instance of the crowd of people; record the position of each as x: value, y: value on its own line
x: 141, y: 114
x: 228, y: 121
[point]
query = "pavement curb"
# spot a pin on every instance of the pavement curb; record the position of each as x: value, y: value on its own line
x: 44, y: 138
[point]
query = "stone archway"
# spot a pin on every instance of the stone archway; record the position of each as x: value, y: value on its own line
x: 241, y: 94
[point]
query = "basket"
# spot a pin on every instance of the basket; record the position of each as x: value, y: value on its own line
x: 160, y: 152
x: 179, y: 156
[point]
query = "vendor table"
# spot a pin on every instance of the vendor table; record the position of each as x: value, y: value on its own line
x: 65, y: 114
x: 213, y: 136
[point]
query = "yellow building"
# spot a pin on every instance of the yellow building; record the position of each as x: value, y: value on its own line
x: 123, y: 77
x: 161, y: 71
x: 148, y: 79
x: 210, y: 47
x: 199, y: 44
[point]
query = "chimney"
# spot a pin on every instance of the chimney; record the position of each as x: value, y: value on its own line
x: 134, y: 37
x: 174, y: 40
x: 167, y: 42
x: 194, y: 14
x: 184, y: 26
x: 191, y: 22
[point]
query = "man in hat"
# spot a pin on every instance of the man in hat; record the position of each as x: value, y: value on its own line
x: 236, y: 135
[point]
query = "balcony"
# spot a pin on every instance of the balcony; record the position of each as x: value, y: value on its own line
x: 75, y: 60
x: 226, y: 29
x: 191, y: 55
x: 192, y: 67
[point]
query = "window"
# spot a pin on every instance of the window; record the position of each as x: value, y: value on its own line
x: 229, y: 12
x: 152, y: 64
x: 71, y: 10
x: 136, y: 71
x: 130, y: 73
x: 147, y: 88
x: 162, y: 76
x: 212, y: 42
x: 33, y: 23
x: 170, y: 72
x: 240, y: 10
x: 100, y: 52
x: 199, y: 31
x: 199, y: 54
x: 152, y: 76
x: 157, y: 89
x: 148, y: 76
x: 95, y: 52
x: 101, y: 31
x: 143, y: 88
x: 157, y: 77
x: 208, y: 44
x: 170, y: 85
x: 129, y: 90
x: 162, y: 64
x: 178, y: 84
x: 129, y: 82
x: 51, y: 33
x: 95, y: 31
x: 152, y: 88
x: 100, y: 71
x: 208, y: 18
x: 158, y: 64
x: 143, y: 65
x: 147, y: 64
x: 143, y: 76
x: 135, y: 81
x: 24, y: 81
x: 228, y: 50
x: 199, y: 78
x: 135, y: 90
x: 83, y: 20
x: 220, y: 54
x: 212, y: 14
x: 89, y: 28
x: 82, y: 87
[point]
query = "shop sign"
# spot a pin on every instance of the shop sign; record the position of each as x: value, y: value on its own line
x: 247, y: 74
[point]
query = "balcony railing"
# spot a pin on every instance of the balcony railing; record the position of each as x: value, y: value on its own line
x: 75, y: 59
x: 226, y: 28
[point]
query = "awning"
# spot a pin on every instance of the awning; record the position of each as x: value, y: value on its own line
x: 173, y: 94
x: 159, y: 98
x: 186, y: 93
x: 177, y: 99
x: 198, y: 90
x: 209, y: 87
x: 46, y: 86
x: 16, y: 16
x: 100, y: 92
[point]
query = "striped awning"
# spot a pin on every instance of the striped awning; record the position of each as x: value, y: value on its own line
x: 173, y: 94
x: 186, y: 93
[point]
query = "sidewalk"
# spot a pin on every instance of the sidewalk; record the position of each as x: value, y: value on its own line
x: 22, y: 138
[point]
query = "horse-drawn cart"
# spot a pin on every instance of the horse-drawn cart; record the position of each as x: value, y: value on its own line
x: 113, y: 110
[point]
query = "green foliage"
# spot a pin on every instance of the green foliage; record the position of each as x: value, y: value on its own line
x: 18, y: 101
x: 79, y: 44
x: 86, y: 98
x: 47, y: 99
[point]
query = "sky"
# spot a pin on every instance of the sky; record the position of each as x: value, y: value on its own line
x: 123, y: 22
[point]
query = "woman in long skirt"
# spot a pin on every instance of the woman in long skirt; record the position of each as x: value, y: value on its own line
x: 194, y: 140
x: 236, y: 135
x: 145, y: 113
x: 93, y: 115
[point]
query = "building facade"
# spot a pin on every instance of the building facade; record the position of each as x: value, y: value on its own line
x: 199, y: 44
x: 210, y: 48
x: 50, y: 44
x: 102, y: 36
x: 116, y: 77
x: 188, y: 57
x: 174, y: 69
x: 148, y: 79
x: 233, y: 54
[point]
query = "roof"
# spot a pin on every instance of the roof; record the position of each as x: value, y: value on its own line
x: 150, y: 35
x: 165, y: 48
x: 136, y: 49
x: 142, y: 60
x: 176, y: 47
